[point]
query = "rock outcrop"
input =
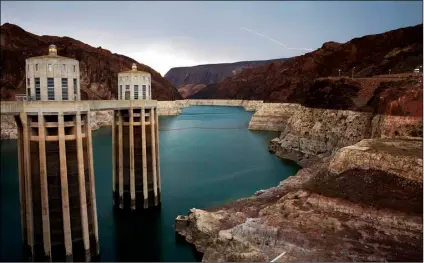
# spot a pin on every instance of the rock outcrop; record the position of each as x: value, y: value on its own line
x: 336, y: 210
x: 98, y: 67
x: 292, y: 81
x: 273, y: 116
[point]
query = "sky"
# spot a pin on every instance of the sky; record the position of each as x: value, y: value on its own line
x: 174, y: 34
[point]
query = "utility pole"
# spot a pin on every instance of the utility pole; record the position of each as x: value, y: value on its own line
x: 353, y: 70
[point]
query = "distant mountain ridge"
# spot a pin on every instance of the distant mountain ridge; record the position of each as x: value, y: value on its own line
x: 98, y: 67
x: 397, y: 51
x: 190, y: 80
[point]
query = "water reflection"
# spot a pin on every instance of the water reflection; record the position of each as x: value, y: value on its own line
x: 137, y: 236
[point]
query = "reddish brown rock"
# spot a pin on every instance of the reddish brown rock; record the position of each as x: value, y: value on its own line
x: 292, y: 81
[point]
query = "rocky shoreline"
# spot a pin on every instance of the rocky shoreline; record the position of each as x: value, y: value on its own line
x: 334, y: 210
x: 357, y: 198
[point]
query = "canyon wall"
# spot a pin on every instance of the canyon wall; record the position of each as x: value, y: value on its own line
x: 311, y: 134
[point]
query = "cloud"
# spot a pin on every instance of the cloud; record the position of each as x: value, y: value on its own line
x: 275, y: 41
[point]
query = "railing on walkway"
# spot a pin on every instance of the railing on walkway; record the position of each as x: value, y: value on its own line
x: 24, y: 97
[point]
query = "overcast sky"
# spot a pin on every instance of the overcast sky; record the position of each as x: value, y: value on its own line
x: 171, y: 34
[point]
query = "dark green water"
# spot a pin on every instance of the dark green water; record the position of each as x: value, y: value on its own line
x: 208, y: 157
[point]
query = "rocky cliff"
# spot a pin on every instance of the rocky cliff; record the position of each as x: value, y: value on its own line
x: 99, y: 67
x: 363, y: 204
x: 398, y: 50
x: 190, y: 80
x: 331, y: 119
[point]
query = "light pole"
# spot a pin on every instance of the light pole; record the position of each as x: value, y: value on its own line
x: 390, y: 71
x: 353, y: 70
x: 339, y: 73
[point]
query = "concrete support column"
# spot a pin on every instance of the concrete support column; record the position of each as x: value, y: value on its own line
x: 121, y: 162
x: 28, y: 186
x: 82, y: 191
x: 158, y: 156
x: 132, y: 177
x: 153, y: 139
x: 21, y: 169
x: 89, y: 153
x: 113, y: 156
x: 144, y: 159
x: 67, y: 234
x: 44, y: 188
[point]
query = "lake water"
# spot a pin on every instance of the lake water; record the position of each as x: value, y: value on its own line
x: 208, y: 157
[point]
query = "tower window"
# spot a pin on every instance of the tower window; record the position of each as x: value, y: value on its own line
x: 75, y: 88
x: 143, y: 92
x: 64, y: 89
x: 136, y: 92
x: 121, y: 91
x: 37, y: 89
x: 74, y: 68
x: 50, y: 67
x: 50, y: 88
x: 64, y: 67
x: 28, y: 82
x: 149, y: 91
x: 36, y: 67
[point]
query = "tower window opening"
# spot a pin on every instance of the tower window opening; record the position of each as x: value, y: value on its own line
x: 36, y: 67
x: 50, y: 88
x: 136, y: 92
x: 64, y: 89
x: 75, y: 88
x: 143, y: 92
x: 37, y: 89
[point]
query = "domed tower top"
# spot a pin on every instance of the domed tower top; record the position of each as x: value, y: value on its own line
x: 52, y: 50
x: 134, y: 67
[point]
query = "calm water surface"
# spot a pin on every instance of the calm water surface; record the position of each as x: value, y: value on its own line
x: 208, y: 157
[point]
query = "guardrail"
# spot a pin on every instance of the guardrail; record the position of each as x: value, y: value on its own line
x: 24, y: 97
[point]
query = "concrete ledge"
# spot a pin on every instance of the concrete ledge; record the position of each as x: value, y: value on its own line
x: 15, y: 107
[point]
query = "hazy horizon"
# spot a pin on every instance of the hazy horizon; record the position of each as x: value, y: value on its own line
x: 164, y: 35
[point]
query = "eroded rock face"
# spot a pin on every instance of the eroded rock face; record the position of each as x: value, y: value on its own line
x: 401, y: 157
x: 8, y: 128
x: 377, y: 108
x: 273, y: 116
x: 311, y: 134
x: 358, y: 213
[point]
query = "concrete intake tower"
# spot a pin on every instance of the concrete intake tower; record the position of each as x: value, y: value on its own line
x: 56, y: 174
x: 135, y: 144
